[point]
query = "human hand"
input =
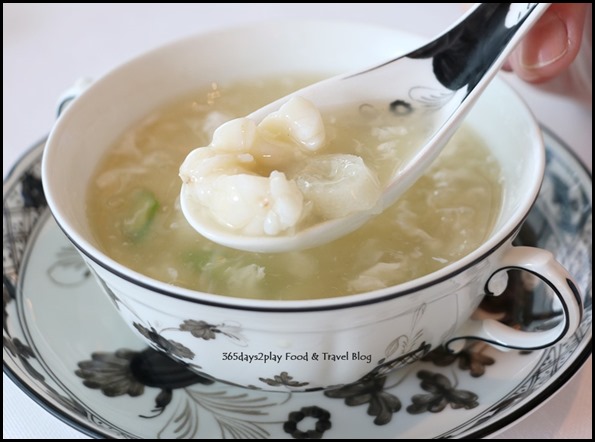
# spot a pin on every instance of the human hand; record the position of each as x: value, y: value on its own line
x: 553, y: 44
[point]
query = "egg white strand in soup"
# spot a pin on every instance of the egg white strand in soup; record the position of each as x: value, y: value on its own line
x: 240, y: 179
x: 134, y: 210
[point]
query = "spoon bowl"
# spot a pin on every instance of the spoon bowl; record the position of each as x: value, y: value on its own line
x: 442, y: 79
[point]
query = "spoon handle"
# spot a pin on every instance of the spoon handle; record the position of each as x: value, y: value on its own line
x: 464, y: 54
x: 452, y: 71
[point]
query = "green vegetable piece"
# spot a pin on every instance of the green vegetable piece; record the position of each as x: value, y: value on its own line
x: 142, y: 208
x: 198, y: 259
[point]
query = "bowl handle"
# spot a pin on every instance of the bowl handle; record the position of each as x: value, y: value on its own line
x: 542, y: 264
x: 71, y: 93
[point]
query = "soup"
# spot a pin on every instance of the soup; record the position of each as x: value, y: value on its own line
x: 133, y: 203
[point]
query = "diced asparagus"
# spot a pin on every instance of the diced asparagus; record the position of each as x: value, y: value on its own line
x: 142, y: 209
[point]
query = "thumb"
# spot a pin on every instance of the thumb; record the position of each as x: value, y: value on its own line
x: 552, y: 44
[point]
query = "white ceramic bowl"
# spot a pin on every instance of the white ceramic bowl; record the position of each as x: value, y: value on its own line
x: 301, y: 345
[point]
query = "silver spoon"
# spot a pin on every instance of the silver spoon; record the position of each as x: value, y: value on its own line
x: 456, y: 67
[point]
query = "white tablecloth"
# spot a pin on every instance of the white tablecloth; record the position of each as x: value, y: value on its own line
x: 46, y: 47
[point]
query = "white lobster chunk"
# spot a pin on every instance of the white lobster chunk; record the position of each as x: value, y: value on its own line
x: 253, y: 204
x: 235, y: 136
x: 205, y: 162
x: 213, y: 120
x: 298, y: 121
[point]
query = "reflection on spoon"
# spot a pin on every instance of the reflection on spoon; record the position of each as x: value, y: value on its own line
x: 242, y: 190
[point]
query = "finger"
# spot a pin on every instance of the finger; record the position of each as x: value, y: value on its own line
x: 553, y: 43
x: 506, y: 66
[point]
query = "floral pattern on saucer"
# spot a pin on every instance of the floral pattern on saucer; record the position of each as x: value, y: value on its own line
x: 67, y: 348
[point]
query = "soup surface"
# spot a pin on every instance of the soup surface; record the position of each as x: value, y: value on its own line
x: 133, y: 203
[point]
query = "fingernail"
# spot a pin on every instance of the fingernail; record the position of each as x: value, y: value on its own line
x: 550, y: 29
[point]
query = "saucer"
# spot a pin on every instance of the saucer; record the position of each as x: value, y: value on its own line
x: 68, y: 349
